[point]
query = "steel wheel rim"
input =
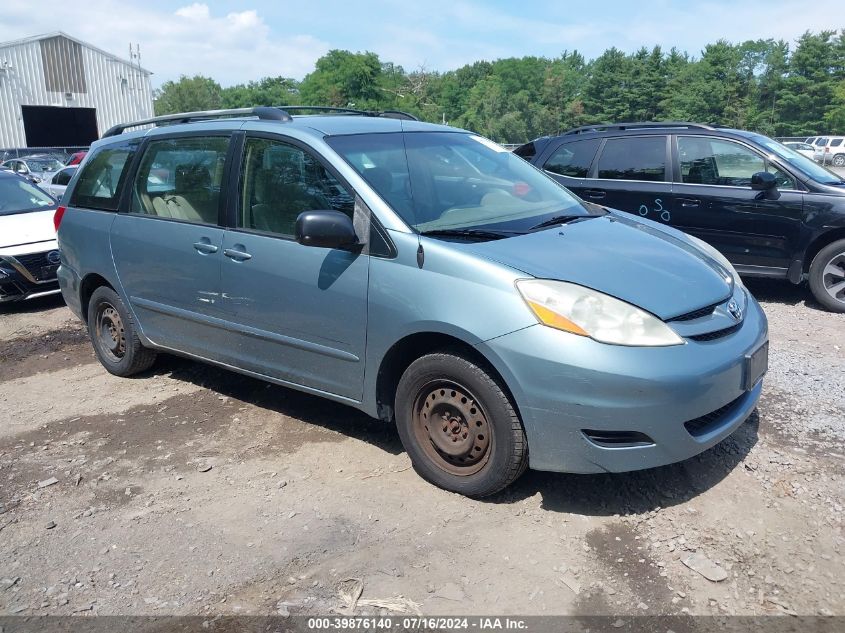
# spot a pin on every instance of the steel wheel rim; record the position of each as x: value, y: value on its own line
x: 833, y: 277
x: 111, y: 335
x: 451, y: 427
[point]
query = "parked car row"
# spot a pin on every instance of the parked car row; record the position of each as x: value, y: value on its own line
x: 431, y: 278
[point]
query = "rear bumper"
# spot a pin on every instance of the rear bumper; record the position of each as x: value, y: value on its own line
x: 589, y: 407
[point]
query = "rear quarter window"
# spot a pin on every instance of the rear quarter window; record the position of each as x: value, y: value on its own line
x: 101, y: 181
x: 573, y: 159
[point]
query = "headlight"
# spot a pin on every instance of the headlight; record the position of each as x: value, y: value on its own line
x: 712, y: 252
x: 585, y: 312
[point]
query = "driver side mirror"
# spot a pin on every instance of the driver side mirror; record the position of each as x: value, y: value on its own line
x: 766, y: 184
x: 327, y: 229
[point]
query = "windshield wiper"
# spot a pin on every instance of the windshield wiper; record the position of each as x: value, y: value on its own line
x: 559, y: 219
x: 470, y: 233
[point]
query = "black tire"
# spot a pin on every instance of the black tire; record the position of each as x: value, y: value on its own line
x: 821, y: 280
x: 114, y: 336
x: 839, y: 160
x: 486, y: 444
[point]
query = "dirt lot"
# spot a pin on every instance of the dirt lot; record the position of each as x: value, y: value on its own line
x: 302, y: 494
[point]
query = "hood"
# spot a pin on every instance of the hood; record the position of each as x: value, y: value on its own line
x: 26, y: 228
x: 640, y: 263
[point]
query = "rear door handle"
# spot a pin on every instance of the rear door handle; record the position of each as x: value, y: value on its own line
x: 205, y: 246
x: 236, y: 254
x: 595, y: 193
x: 689, y: 202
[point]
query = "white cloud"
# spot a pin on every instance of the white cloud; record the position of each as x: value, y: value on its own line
x: 232, y: 48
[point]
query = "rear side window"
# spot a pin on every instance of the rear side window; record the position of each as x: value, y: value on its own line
x: 836, y: 142
x: 821, y: 142
x: 634, y: 158
x: 101, y: 181
x: 181, y: 178
x: 527, y: 151
x: 573, y: 159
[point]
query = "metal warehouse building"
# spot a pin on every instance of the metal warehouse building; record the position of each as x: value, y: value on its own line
x: 57, y: 91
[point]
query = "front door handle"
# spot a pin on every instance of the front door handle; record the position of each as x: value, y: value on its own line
x: 205, y: 246
x: 236, y: 254
x: 689, y: 202
x: 595, y: 194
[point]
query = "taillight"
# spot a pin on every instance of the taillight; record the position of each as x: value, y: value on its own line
x: 57, y: 217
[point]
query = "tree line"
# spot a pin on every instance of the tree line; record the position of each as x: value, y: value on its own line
x: 768, y: 86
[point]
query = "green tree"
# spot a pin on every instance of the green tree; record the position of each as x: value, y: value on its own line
x: 269, y: 91
x: 343, y: 79
x: 189, y: 94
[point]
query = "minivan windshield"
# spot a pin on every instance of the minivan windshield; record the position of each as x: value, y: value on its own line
x: 19, y: 196
x: 800, y: 162
x: 453, y: 181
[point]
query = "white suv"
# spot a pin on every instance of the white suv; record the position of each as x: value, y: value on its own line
x: 830, y: 150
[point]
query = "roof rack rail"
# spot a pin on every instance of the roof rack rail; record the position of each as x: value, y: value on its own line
x: 387, y: 114
x: 604, y: 127
x: 265, y: 113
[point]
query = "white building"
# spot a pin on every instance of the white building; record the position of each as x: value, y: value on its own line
x: 57, y: 91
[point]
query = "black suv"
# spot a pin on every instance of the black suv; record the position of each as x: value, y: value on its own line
x: 771, y: 211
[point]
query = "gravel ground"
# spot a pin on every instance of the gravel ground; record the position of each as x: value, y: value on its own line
x: 190, y: 490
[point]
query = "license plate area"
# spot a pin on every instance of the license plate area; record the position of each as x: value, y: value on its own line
x: 756, y: 364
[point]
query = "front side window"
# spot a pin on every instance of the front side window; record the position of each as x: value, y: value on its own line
x: 634, y: 158
x: 180, y: 179
x: 279, y: 181
x: 709, y: 161
x: 836, y: 142
x: 20, y: 196
x: 101, y: 181
x: 573, y: 159
x: 452, y: 181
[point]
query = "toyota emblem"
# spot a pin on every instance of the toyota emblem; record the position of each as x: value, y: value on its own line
x: 734, y: 310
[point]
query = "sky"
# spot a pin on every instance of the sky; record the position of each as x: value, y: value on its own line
x: 235, y: 42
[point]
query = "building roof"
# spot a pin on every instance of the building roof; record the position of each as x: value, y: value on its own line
x: 45, y: 36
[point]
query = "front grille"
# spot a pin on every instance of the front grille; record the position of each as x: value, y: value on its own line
x: 706, y: 423
x: 696, y: 314
x: 712, y: 336
x: 35, y: 263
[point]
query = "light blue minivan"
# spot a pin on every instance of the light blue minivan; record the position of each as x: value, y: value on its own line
x: 420, y: 273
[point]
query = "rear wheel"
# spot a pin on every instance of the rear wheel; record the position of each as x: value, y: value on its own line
x: 827, y: 276
x: 458, y: 425
x: 839, y: 160
x: 114, y: 336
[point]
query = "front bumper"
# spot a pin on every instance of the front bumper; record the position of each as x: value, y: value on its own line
x: 26, y: 276
x: 571, y: 390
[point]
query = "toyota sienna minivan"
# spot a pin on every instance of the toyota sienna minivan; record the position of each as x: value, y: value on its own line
x: 419, y: 273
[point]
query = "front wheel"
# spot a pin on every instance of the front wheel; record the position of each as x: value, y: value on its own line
x: 839, y: 160
x: 827, y: 276
x: 114, y: 336
x: 458, y: 425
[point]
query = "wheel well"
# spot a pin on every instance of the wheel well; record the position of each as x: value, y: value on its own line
x: 407, y: 350
x: 89, y: 284
x: 821, y: 241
